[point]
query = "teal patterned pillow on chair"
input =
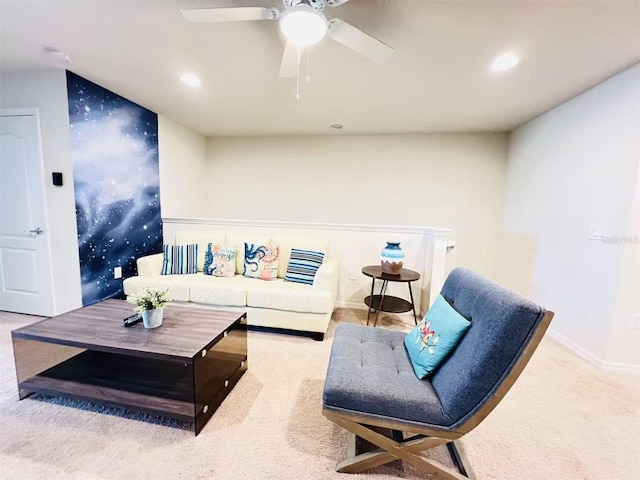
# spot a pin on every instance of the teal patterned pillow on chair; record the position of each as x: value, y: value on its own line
x: 431, y: 341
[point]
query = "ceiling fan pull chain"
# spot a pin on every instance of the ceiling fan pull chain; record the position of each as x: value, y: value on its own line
x: 298, y: 77
x: 307, y: 79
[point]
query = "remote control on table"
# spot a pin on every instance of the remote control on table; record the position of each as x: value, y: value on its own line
x: 132, y: 320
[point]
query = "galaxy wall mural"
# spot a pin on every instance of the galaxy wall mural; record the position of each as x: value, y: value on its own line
x: 114, y: 145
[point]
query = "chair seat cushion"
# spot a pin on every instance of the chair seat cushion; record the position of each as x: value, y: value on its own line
x: 370, y: 374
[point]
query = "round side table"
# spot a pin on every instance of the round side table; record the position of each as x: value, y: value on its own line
x: 388, y: 303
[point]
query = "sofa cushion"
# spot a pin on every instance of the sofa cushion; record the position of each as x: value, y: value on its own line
x: 303, y: 265
x: 178, y: 285
x: 223, y: 291
x: 202, y: 239
x: 180, y: 259
x: 287, y: 243
x: 239, y: 240
x: 260, y: 261
x: 220, y: 260
x: 295, y: 297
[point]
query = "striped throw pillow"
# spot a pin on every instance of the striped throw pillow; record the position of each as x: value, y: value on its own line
x: 180, y: 259
x: 303, y: 266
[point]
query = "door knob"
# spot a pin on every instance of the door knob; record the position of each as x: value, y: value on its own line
x: 36, y: 231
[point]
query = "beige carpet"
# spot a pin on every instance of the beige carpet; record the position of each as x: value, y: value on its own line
x: 563, y: 419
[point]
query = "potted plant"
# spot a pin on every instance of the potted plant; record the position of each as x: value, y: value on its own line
x: 150, y: 304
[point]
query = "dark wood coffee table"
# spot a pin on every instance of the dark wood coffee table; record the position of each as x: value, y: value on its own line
x: 183, y: 369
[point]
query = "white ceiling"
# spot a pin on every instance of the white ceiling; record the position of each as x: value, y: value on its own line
x: 438, y: 80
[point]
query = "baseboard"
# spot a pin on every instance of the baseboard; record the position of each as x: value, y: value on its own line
x: 355, y: 305
x: 362, y: 306
x: 592, y: 359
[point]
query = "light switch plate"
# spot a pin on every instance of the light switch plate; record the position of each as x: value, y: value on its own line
x: 597, y: 232
x: 117, y: 272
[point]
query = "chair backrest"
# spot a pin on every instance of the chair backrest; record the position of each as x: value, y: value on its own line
x: 505, y: 330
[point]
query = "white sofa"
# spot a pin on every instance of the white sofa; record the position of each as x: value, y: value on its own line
x: 275, y: 304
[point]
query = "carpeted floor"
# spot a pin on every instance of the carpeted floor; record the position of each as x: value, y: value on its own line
x: 563, y: 420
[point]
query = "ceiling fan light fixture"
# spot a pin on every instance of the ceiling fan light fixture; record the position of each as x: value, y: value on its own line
x: 505, y: 62
x: 303, y: 25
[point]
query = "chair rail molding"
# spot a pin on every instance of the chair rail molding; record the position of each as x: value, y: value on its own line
x: 347, y: 227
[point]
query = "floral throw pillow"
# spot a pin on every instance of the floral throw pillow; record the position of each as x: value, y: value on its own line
x: 431, y: 341
x: 220, y: 260
x: 260, y: 261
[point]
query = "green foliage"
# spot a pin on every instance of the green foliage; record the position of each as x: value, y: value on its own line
x: 149, y: 299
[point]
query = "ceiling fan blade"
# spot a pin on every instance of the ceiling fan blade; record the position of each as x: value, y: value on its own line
x: 289, y: 65
x: 357, y: 40
x: 233, y: 14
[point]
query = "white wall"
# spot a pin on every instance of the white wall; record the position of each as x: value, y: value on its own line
x: 47, y: 90
x: 183, y: 160
x: 448, y: 180
x: 628, y: 299
x: 574, y: 166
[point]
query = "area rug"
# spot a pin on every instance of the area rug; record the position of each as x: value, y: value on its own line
x: 563, y: 419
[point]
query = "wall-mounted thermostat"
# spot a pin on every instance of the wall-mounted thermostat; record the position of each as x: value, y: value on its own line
x: 57, y: 178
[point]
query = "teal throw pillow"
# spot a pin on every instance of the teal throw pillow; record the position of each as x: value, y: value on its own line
x: 431, y: 341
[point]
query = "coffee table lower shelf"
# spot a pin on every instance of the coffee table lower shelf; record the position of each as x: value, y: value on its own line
x: 183, y: 389
x: 119, y: 380
x: 158, y: 387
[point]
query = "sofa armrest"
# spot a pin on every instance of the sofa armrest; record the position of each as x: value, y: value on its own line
x: 150, y: 265
x: 327, y: 276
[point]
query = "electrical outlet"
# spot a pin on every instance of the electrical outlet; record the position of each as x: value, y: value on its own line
x: 635, y: 321
x: 597, y: 232
x: 117, y: 272
x: 352, y: 275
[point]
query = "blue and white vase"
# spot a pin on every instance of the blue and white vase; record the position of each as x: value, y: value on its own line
x: 391, y: 258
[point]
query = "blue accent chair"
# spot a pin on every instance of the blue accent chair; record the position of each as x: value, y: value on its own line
x: 372, y: 390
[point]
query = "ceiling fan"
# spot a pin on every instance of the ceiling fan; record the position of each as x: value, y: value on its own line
x: 303, y: 24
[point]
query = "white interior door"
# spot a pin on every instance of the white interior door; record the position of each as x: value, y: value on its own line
x: 26, y: 284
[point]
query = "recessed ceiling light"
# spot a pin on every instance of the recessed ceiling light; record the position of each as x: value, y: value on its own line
x: 505, y: 62
x: 190, y: 79
x: 336, y: 126
x: 57, y: 55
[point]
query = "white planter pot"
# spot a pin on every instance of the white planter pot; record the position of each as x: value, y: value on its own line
x: 152, y: 318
